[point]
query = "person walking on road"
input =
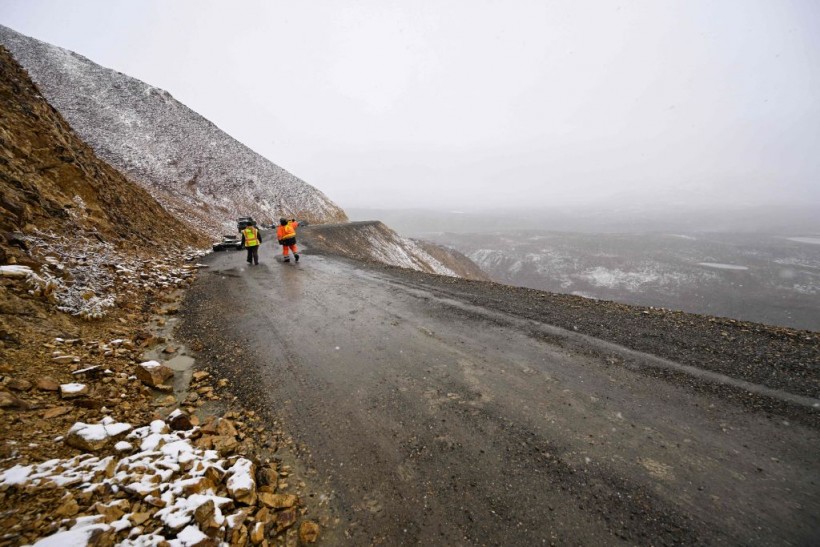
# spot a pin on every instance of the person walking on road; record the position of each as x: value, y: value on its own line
x: 286, y: 234
x: 251, y: 240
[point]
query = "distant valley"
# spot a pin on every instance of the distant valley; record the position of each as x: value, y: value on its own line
x: 772, y: 279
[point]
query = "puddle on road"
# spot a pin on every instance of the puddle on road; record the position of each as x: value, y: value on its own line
x: 183, y: 365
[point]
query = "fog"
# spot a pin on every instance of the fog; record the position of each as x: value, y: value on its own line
x: 484, y: 105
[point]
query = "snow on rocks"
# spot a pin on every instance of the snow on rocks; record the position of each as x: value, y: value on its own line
x: 15, y: 270
x: 86, y: 277
x: 94, y: 437
x: 73, y: 390
x: 155, y: 486
x: 241, y: 484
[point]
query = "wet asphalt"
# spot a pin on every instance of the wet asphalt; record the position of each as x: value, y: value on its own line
x: 427, y: 421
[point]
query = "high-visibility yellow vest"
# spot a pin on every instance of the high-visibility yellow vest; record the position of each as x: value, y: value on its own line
x: 250, y: 237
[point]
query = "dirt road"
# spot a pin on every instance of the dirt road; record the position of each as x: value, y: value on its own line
x: 431, y: 420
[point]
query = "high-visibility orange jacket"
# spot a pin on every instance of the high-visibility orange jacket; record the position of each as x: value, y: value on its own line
x: 251, y: 236
x: 288, y: 231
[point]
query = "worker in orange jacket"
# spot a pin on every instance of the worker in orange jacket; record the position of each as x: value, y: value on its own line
x: 286, y: 235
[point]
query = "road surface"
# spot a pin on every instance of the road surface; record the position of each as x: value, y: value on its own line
x: 428, y: 420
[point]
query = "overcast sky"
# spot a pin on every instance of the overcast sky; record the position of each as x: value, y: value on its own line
x: 468, y: 103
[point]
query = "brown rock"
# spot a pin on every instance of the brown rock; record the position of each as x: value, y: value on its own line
x: 236, y: 520
x: 263, y: 515
x: 100, y: 538
x: 206, y: 442
x: 110, y: 512
x: 153, y: 373
x: 257, y: 533
x: 241, y: 485
x: 210, y: 426
x: 285, y: 519
x: 139, y: 518
x: 18, y: 384
x: 197, y: 487
x: 225, y: 428
x: 308, y: 532
x: 200, y: 374
x: 169, y: 350
x: 239, y: 537
x: 278, y: 501
x: 7, y: 400
x: 204, y: 513
x: 214, y: 474
x: 56, y: 411
x: 179, y: 421
x: 68, y: 507
x: 45, y: 383
x: 267, y: 478
x: 225, y: 445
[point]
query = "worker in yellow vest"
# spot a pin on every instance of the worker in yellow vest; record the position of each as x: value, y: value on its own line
x: 251, y: 240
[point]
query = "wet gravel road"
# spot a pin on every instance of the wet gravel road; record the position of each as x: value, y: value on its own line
x: 430, y: 416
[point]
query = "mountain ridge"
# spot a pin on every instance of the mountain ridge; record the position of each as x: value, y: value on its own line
x: 191, y: 166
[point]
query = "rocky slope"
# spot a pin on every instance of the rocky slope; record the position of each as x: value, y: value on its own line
x: 79, y: 399
x: 372, y: 241
x: 192, y: 167
x: 67, y: 215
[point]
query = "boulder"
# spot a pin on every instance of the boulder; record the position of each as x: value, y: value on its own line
x: 179, y: 421
x: 93, y: 437
x: 241, y: 484
x: 153, y: 373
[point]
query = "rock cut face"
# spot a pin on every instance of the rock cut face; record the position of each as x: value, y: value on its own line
x: 192, y: 168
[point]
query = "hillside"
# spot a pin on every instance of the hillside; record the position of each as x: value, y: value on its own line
x: 77, y: 237
x: 187, y: 163
x: 63, y: 209
x: 372, y: 241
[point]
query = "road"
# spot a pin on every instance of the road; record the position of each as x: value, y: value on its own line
x: 427, y: 420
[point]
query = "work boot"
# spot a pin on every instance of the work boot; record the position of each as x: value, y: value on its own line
x: 296, y: 256
x: 286, y: 260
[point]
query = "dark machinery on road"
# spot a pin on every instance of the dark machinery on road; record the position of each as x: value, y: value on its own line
x: 229, y: 242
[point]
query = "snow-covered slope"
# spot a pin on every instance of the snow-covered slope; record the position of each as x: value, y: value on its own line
x: 373, y: 241
x: 184, y: 160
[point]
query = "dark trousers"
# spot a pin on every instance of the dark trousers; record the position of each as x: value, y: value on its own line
x: 253, y: 254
